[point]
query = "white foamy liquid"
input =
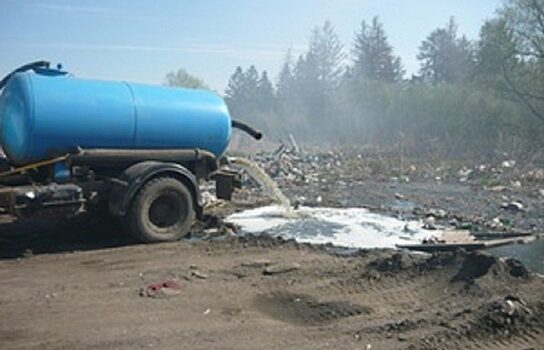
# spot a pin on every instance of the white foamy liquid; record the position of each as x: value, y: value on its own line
x: 350, y: 227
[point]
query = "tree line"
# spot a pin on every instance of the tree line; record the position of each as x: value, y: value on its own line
x: 469, y: 97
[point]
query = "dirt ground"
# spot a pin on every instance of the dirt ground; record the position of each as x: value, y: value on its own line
x: 267, y: 294
x: 82, y: 284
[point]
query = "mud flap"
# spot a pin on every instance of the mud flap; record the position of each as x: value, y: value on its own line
x: 226, y: 181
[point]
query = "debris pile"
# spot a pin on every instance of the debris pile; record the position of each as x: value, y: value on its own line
x: 504, y: 316
x: 505, y: 192
x: 290, y: 163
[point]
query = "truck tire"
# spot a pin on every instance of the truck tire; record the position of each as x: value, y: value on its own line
x: 161, y: 211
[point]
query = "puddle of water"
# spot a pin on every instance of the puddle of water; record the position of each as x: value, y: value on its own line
x: 532, y: 254
x: 350, y: 227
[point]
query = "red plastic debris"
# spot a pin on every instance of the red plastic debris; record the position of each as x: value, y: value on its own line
x: 166, y: 288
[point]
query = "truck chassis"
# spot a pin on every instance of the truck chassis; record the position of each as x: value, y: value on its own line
x: 155, y: 193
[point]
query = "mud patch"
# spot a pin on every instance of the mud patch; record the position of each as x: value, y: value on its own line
x: 474, y: 266
x: 404, y: 325
x: 394, y: 263
x: 477, y: 265
x: 516, y: 268
x: 306, y: 310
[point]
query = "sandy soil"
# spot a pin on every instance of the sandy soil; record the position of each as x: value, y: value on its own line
x: 265, y: 294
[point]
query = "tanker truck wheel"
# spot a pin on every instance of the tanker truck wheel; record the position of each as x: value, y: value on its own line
x: 161, y: 211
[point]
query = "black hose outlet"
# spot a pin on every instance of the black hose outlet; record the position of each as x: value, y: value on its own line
x: 256, y: 134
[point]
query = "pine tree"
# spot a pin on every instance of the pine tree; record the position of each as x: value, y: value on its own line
x: 325, y: 57
x: 444, y: 57
x: 285, y: 80
x: 373, y: 56
x: 265, y: 94
x: 496, y: 51
x: 235, y: 91
x: 516, y: 44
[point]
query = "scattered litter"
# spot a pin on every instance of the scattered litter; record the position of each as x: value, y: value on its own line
x: 257, y: 263
x: 513, y: 206
x: 199, y: 274
x: 281, y: 268
x: 429, y: 223
x: 464, y: 174
x: 516, y: 183
x: 209, y: 199
x: 535, y: 175
x: 50, y: 295
x: 437, y: 213
x: 497, y: 188
x: 28, y: 253
x: 504, y: 315
x: 508, y: 164
x: 161, y: 290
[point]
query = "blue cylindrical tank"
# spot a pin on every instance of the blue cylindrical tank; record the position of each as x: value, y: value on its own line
x: 48, y: 113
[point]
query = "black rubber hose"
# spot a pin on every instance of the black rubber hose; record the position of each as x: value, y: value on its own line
x: 256, y: 134
x: 29, y: 66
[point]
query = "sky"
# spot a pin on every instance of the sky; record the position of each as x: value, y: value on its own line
x: 142, y: 40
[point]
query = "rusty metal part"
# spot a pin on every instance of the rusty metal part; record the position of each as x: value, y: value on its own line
x: 32, y: 166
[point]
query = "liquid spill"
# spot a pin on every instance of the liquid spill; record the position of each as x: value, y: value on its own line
x: 266, y: 182
x: 532, y: 254
x: 350, y: 227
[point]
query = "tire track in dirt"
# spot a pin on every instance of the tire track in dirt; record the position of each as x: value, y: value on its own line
x: 381, y: 298
x: 431, y: 303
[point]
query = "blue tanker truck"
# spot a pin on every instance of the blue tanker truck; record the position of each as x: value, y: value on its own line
x: 137, y: 150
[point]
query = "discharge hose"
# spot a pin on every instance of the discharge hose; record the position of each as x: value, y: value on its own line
x: 29, y: 66
x: 256, y: 134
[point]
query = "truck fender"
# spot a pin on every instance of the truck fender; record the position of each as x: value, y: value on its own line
x: 133, y: 178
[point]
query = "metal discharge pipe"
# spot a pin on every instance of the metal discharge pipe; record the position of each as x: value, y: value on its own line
x: 104, y: 157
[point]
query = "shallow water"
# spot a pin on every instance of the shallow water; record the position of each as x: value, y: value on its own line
x: 532, y: 254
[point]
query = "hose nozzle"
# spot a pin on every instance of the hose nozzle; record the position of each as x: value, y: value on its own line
x: 256, y: 134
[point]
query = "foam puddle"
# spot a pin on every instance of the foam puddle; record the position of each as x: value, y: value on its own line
x: 349, y: 227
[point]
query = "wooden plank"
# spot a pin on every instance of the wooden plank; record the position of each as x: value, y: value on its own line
x: 474, y: 245
x: 441, y: 247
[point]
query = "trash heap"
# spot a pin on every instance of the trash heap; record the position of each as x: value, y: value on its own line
x: 505, y: 191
